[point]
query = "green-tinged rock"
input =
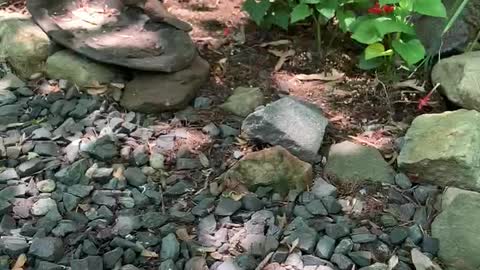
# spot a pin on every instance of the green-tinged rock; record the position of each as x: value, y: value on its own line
x: 458, y: 79
x: 363, y: 163
x: 274, y: 167
x: 72, y: 174
x: 451, y: 193
x: 47, y: 248
x: 24, y: 45
x: 170, y: 248
x: 78, y: 70
x: 442, y: 149
x: 243, y: 101
x: 457, y: 230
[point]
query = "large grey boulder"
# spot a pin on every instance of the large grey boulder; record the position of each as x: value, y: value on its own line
x: 78, y: 69
x: 159, y: 92
x: 288, y: 122
x: 442, y: 149
x: 24, y: 45
x: 458, y: 78
x: 353, y: 163
x: 457, y: 230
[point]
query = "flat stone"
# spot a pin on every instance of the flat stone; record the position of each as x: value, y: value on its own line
x: 81, y: 191
x: 207, y: 225
x: 204, y: 207
x: 135, y: 176
x: 337, y: 231
x: 102, y: 175
x: 179, y: 188
x: 41, y: 134
x: 47, y: 248
x: 142, y: 94
x: 148, y: 239
x: 363, y: 238
x: 325, y: 247
x: 167, y: 265
x: 44, y: 265
x: 10, y: 192
x: 430, y: 245
x: 78, y: 70
x: 375, y: 266
x: 305, y: 236
x: 243, y: 101
x: 274, y: 167
x: 188, y: 164
x: 301, y: 211
x: 398, y: 235
x: 291, y: 123
x: 439, y: 159
x: 170, y: 248
x: 251, y: 202
x: 8, y: 174
x: 89, y: 248
x: 30, y: 167
x: 422, y: 193
x: 361, y: 258
x: 157, y: 161
x: 153, y: 220
x: 227, y: 207
x: 332, y: 205
x: 88, y: 263
x: 13, y: 246
x: 364, y: 163
x: 70, y: 201
x: 65, y: 227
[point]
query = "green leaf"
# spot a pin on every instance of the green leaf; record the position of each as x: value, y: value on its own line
x: 256, y: 10
x: 412, y: 51
x: 345, y: 19
x: 387, y: 25
x: 366, y: 32
x: 387, y: 2
x: 311, y: 1
x: 300, y: 12
x: 371, y: 63
x: 376, y: 50
x: 434, y: 8
x: 279, y: 17
x: 459, y: 9
x: 327, y: 8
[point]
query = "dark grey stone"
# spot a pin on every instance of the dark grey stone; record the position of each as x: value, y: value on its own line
x: 344, y: 246
x: 102, y: 148
x: 332, y: 205
x: 167, y: 265
x: 170, y: 248
x: 430, y: 245
x: 342, y: 261
x: 227, y: 207
x: 325, y: 247
x: 47, y: 149
x: 135, y: 176
x: 102, y: 199
x: 279, y: 123
x: 13, y: 246
x: 179, y: 188
x: 44, y: 265
x: 361, y: 258
x: 147, y: 239
x: 337, y: 231
x: 153, y: 220
x: 72, y: 174
x: 422, y: 193
x: 30, y: 167
x: 403, y: 181
x: 398, y: 235
x: 102, y: 175
x: 81, y: 191
x: 88, y: 263
x: 188, y: 164
x: 70, y: 201
x: 301, y: 211
x: 65, y: 227
x: 47, y: 248
x: 111, y: 257
x: 123, y: 243
x: 129, y: 256
x: 89, y: 248
x: 204, y: 207
x: 363, y: 238
x: 415, y: 233
x: 251, y: 202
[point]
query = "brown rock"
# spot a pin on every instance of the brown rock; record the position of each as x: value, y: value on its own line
x: 274, y: 167
x: 159, y: 92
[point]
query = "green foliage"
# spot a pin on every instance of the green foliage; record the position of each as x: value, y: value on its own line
x: 386, y: 30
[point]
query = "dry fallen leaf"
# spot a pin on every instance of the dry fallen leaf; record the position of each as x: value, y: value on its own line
x: 149, y: 254
x: 409, y: 84
x: 204, y: 160
x: 392, y: 262
x: 334, y: 75
x: 21, y: 260
x: 183, y: 235
x: 276, y: 43
x: 283, y: 57
x: 422, y: 262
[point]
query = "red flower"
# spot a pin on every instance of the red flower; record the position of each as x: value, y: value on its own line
x: 388, y: 8
x: 376, y: 9
x: 226, y: 32
x: 425, y: 100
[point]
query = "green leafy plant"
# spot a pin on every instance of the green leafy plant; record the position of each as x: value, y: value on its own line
x: 284, y: 13
x: 388, y: 32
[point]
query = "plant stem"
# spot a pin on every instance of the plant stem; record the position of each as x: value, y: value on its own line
x: 318, y: 34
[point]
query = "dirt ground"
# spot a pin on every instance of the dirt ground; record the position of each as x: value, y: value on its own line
x: 360, y: 105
